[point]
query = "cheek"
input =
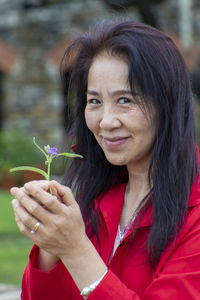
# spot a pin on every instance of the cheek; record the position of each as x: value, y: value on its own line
x: 91, y: 120
x: 139, y: 124
x: 136, y: 120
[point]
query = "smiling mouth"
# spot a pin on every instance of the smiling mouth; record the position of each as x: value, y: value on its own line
x: 113, y: 142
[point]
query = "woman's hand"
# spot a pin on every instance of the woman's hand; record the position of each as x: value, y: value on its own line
x: 61, y: 231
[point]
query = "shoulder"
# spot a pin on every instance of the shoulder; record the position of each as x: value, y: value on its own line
x: 194, y: 198
x: 193, y: 215
x: 189, y: 236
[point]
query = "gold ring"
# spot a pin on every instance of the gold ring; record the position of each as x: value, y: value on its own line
x: 35, y: 227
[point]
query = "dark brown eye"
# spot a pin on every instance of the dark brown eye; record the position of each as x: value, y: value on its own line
x: 94, y: 101
x: 124, y: 100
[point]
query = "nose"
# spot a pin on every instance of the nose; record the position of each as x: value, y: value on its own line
x: 109, y: 120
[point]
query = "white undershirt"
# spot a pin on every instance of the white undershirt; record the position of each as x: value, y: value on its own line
x: 120, y: 236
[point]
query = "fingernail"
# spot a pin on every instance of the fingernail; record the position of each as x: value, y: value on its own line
x: 14, y: 202
x: 13, y: 190
x: 28, y: 186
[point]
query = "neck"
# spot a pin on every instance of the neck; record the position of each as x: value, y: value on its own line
x: 138, y: 185
x: 136, y: 190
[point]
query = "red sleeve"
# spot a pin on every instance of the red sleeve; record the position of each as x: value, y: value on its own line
x: 182, y: 284
x: 112, y: 288
x: 180, y: 276
x: 177, y: 278
x: 40, y: 285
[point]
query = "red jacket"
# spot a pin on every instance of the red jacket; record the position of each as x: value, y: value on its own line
x: 130, y: 276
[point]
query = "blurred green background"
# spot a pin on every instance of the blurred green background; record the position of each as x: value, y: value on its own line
x: 14, y: 248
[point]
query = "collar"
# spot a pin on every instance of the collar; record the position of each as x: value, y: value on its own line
x: 111, y: 206
x: 112, y: 202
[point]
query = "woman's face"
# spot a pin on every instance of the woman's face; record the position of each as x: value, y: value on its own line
x: 125, y: 134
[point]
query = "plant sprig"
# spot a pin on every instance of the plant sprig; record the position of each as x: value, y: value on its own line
x: 50, y: 153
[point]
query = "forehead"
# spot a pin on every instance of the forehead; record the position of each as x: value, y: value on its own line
x: 109, y: 73
x: 108, y: 69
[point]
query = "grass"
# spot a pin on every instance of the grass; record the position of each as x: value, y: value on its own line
x: 14, y: 248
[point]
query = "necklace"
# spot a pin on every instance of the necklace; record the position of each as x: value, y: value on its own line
x: 130, y: 221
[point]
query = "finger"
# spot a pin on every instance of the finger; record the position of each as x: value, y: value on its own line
x: 44, y: 184
x: 25, y: 221
x: 19, y: 223
x: 26, y: 231
x: 65, y: 193
x: 55, y: 193
x: 22, y: 228
x: 30, y: 206
x: 14, y: 203
x: 48, y: 200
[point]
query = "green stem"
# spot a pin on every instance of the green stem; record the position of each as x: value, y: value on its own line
x: 48, y: 176
x: 48, y: 171
x: 34, y: 141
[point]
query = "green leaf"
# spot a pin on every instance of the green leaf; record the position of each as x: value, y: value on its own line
x: 25, y: 168
x: 70, y: 155
x: 34, y: 141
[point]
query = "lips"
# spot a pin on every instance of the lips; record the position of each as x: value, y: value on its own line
x: 114, y: 141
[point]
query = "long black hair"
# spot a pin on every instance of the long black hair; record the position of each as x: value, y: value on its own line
x: 158, y: 71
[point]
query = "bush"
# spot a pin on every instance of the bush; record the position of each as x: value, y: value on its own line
x: 17, y: 149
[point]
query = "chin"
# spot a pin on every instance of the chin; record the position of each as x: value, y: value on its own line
x: 116, y: 162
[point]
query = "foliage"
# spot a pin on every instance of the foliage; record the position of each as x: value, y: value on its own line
x: 16, y: 148
x: 40, y: 3
x: 14, y: 248
x: 14, y: 251
x: 49, y: 153
x: 128, y: 3
x: 145, y: 8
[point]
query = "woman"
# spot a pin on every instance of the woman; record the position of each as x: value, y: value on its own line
x: 134, y: 231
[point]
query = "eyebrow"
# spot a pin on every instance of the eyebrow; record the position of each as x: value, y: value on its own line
x: 115, y: 93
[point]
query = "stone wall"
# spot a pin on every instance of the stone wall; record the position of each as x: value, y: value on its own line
x: 32, y: 94
x: 32, y: 90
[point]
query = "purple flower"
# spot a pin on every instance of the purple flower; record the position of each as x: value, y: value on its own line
x: 53, y: 151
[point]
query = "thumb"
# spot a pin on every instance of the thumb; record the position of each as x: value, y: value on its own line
x: 64, y: 193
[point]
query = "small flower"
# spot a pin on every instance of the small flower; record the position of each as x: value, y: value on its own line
x: 53, y: 151
x: 50, y: 153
